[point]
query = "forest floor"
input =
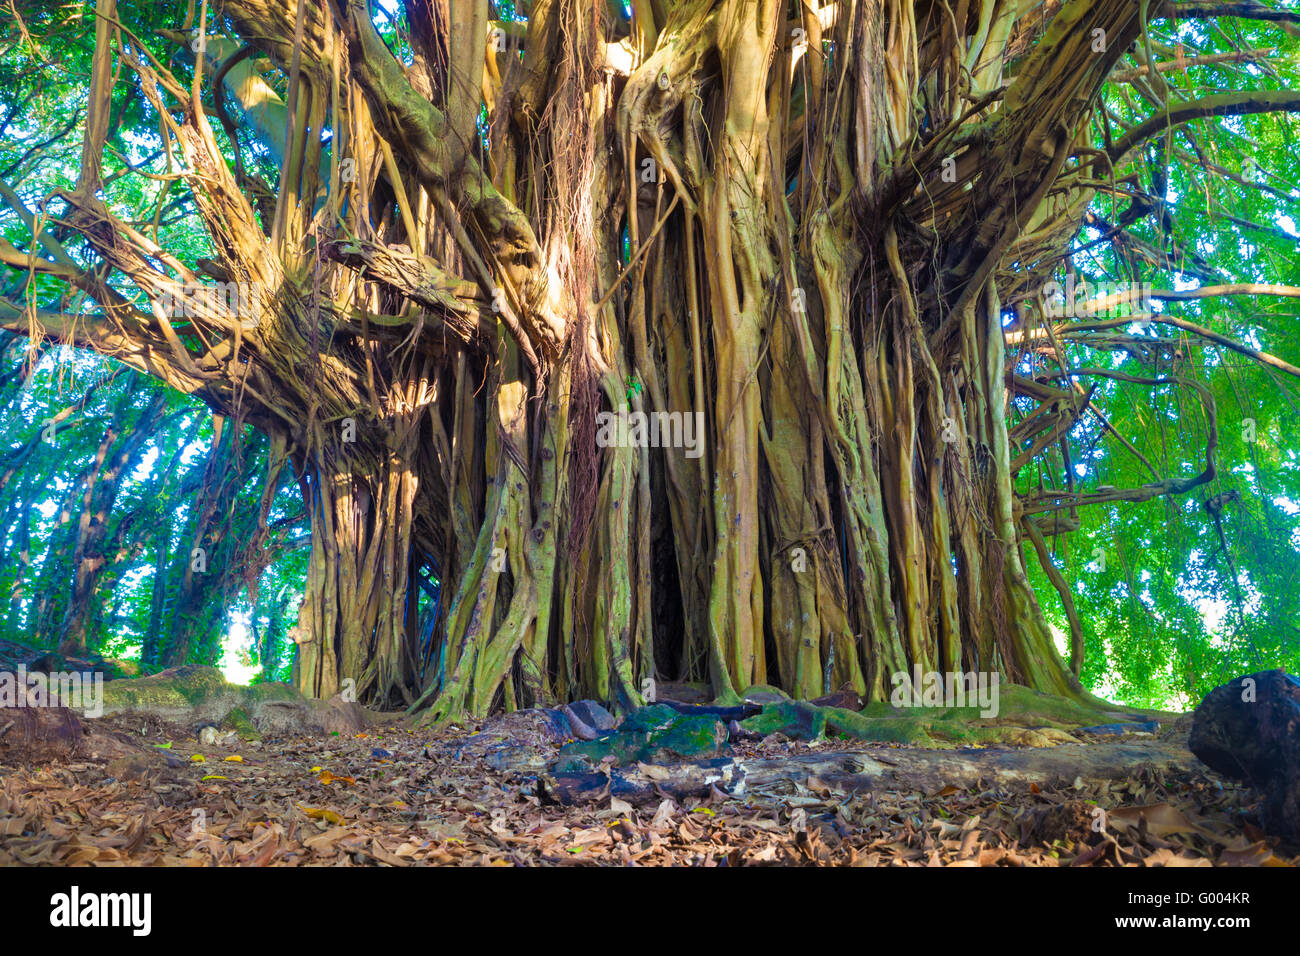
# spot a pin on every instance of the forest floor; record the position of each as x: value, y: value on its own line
x: 399, y: 796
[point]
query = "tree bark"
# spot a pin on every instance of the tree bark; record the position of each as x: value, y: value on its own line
x: 804, y: 235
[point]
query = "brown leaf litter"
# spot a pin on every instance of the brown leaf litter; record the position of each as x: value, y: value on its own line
x: 399, y: 797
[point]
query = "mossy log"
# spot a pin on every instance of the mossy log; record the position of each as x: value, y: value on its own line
x: 195, y: 694
x: 926, y: 771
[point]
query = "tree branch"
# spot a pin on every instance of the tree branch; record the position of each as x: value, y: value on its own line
x: 1223, y: 104
x: 1205, y: 11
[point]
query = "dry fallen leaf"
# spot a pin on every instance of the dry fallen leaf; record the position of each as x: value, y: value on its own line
x: 320, y: 813
x: 1161, y: 820
x: 1165, y: 857
x: 1258, y: 853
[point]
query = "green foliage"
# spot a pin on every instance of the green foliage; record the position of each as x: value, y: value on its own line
x: 152, y: 522
x: 1168, y: 607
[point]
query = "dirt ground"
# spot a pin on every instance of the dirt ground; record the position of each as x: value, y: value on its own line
x: 400, y: 797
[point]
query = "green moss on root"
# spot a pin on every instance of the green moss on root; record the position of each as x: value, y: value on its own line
x: 238, y: 721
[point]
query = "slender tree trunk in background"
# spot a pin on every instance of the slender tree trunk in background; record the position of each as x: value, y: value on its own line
x: 803, y: 227
x: 151, y: 650
x: 219, y: 556
x: 270, y: 643
x: 115, y: 460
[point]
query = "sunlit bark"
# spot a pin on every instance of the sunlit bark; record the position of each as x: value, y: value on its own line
x: 800, y: 223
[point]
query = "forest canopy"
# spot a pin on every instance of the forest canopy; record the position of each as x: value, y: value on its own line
x: 985, y: 312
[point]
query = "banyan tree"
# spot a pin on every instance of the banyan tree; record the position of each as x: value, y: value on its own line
x: 807, y: 256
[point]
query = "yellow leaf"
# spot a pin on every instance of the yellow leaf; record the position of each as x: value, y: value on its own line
x: 315, y: 769
x: 213, y: 776
x: 321, y: 813
x: 234, y: 758
x: 327, y: 778
x: 198, y: 758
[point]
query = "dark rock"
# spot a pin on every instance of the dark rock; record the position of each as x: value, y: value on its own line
x: 1249, y: 729
x: 1243, y: 729
x: 577, y: 726
x: 593, y: 715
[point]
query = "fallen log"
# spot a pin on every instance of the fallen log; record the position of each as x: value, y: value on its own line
x: 38, y: 734
x: 198, y: 695
x: 927, y: 771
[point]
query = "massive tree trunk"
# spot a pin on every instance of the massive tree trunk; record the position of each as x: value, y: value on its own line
x: 804, y: 225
